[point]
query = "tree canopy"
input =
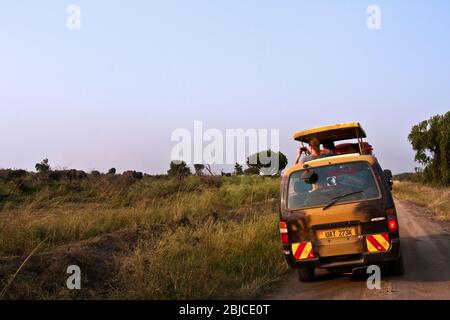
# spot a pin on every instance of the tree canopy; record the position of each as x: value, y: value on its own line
x: 178, y: 169
x: 431, y: 141
x: 43, y: 166
x: 268, y: 162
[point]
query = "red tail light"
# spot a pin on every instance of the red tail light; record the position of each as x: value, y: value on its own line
x: 284, y: 238
x: 390, y: 211
x: 284, y: 233
x: 393, y: 225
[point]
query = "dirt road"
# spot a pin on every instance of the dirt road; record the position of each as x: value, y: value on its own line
x: 426, y: 249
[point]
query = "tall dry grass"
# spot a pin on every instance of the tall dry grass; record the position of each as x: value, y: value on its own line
x: 436, y: 199
x: 193, y: 238
x: 215, y: 261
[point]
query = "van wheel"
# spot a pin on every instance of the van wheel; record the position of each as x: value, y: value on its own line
x: 396, y: 267
x: 306, y: 274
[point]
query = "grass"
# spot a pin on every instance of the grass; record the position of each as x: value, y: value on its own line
x: 225, y: 260
x: 436, y: 199
x: 201, y: 237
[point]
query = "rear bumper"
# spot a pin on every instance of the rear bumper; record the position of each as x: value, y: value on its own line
x: 348, y: 261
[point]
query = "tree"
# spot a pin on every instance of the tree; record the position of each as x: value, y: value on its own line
x: 178, y: 169
x: 238, y: 170
x: 112, y: 171
x: 268, y: 162
x: 42, y: 167
x: 431, y: 141
x: 199, y: 169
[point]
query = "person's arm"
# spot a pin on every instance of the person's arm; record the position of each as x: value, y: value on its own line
x: 298, y: 157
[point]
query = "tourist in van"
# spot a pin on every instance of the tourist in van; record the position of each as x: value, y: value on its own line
x: 314, y: 152
x: 328, y: 149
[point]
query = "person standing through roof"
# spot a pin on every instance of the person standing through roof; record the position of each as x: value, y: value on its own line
x: 314, y: 152
x: 329, y: 149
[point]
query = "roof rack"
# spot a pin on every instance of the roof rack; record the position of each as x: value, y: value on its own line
x: 335, y: 132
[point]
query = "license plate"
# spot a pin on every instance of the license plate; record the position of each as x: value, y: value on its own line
x: 336, y: 233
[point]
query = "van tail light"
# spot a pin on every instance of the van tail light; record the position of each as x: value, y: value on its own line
x: 390, y: 211
x: 284, y: 233
x: 393, y: 225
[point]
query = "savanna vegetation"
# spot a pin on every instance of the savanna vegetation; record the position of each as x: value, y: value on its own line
x: 184, y: 235
x: 135, y: 236
x: 429, y: 186
x: 430, y: 139
x: 435, y: 199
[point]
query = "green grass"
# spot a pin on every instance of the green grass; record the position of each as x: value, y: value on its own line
x: 435, y: 199
x: 142, y: 239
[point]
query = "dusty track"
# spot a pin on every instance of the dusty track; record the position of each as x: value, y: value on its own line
x: 426, y: 250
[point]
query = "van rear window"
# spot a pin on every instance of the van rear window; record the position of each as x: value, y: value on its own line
x: 344, y: 182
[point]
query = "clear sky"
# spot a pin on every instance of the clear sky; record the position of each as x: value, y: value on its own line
x: 111, y: 94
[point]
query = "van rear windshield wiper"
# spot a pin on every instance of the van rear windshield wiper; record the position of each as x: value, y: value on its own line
x: 336, y: 199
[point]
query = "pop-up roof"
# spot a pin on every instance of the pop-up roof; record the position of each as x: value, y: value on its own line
x: 335, y: 132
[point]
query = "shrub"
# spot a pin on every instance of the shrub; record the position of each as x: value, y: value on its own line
x: 75, y: 174
x: 9, y: 174
x: 133, y: 174
x: 178, y: 169
x: 95, y: 173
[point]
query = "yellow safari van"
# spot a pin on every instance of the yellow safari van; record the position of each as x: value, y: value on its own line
x: 337, y: 212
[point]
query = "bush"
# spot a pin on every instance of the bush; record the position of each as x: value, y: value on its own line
x: 133, y: 174
x: 178, y: 169
x: 95, y: 173
x: 75, y: 174
x: 9, y: 174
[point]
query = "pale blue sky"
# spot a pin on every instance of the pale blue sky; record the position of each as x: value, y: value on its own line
x: 110, y: 94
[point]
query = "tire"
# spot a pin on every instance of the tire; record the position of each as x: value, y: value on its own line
x: 306, y: 274
x: 397, y: 267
